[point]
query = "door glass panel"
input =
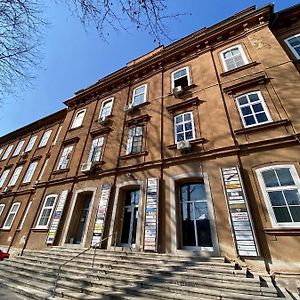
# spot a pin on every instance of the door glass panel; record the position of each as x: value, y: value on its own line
x: 188, y: 230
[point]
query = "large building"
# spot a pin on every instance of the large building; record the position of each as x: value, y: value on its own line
x: 193, y: 147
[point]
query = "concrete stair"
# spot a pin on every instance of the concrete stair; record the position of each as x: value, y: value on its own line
x: 129, y: 275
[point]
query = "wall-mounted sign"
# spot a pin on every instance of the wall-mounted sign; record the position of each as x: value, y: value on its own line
x: 57, y: 217
x: 239, y: 212
x: 151, y: 215
x: 101, y: 214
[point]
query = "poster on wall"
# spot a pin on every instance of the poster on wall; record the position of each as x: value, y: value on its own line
x: 101, y: 214
x: 151, y: 215
x: 239, y: 212
x: 57, y: 217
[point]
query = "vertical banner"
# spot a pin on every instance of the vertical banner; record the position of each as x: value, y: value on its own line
x: 239, y: 212
x: 101, y: 213
x: 151, y: 219
x: 57, y: 217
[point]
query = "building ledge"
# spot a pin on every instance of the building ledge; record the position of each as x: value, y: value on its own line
x: 39, y: 229
x: 137, y: 120
x: 262, y: 127
x: 283, y: 231
x: 193, y: 142
x: 100, y: 131
x: 55, y: 172
x: 128, y: 156
x: 73, y: 140
x: 252, y: 64
x: 186, y: 103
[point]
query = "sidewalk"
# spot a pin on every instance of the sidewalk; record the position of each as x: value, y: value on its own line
x: 8, y: 295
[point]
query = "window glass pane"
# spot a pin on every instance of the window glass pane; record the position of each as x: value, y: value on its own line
x: 277, y: 198
x: 295, y: 211
x: 292, y: 197
x: 227, y: 54
x: 197, y: 192
x: 188, y: 126
x: 270, y: 178
x: 201, y: 210
x: 253, y: 97
x: 285, y: 177
x: 246, y: 110
x: 249, y: 120
x: 257, y: 107
x: 294, y: 41
x: 282, y: 215
x: 50, y: 201
x: 187, y: 117
x: 189, y: 135
x: 140, y: 90
x: 180, y: 73
x: 180, y: 137
x: 178, y: 119
x: 242, y: 100
x: 179, y: 128
x: 261, y: 117
x: 139, y: 99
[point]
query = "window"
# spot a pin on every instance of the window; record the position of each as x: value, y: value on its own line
x: 1, y: 208
x: 106, y: 108
x: 181, y: 78
x: 184, y: 127
x: 31, y: 143
x: 253, y: 109
x: 25, y: 215
x: 78, y: 118
x: 233, y: 57
x: 294, y: 44
x: 46, y: 211
x: 65, y: 158
x: 57, y: 135
x: 1, y: 150
x: 281, y: 189
x: 18, y: 148
x: 45, y: 138
x: 30, y: 171
x: 7, y: 152
x: 44, y: 168
x: 3, y: 177
x: 135, y: 140
x: 96, y: 149
x: 15, y: 176
x: 139, y: 95
x: 11, y: 216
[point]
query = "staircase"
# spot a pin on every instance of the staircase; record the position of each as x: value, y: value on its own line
x: 129, y: 275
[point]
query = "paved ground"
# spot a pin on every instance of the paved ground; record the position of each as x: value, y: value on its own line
x: 7, y: 295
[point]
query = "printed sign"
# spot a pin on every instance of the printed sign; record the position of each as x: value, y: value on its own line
x: 101, y: 214
x: 56, y: 218
x: 239, y: 213
x: 151, y: 219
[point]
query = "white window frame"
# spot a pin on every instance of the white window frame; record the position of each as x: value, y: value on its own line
x: 187, y: 74
x: 65, y: 158
x: 18, y: 148
x: 45, y: 138
x: 265, y: 190
x: 2, y: 206
x: 30, y: 171
x: 11, y: 212
x: 77, y: 121
x: 51, y: 212
x: 3, y: 177
x: 145, y: 94
x: 295, y: 53
x: 111, y: 99
x: 31, y: 143
x: 261, y: 101
x: 193, y: 125
x: 97, y: 143
x: 132, y: 134
x: 25, y: 215
x: 14, y: 178
x: 43, y: 169
x: 7, y: 152
x: 57, y: 135
x: 1, y: 150
x: 242, y: 53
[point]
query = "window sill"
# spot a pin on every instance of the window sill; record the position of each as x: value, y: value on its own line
x: 5, y: 229
x: 75, y: 128
x: 25, y: 183
x: 60, y: 171
x: 185, y: 89
x: 283, y: 231
x: 262, y: 127
x: 252, y: 64
x: 73, y: 140
x: 192, y: 142
x: 39, y: 229
x: 100, y: 131
x: 133, y: 155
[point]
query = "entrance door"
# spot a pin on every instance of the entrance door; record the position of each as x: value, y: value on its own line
x: 130, y: 217
x: 195, y: 221
x: 79, y: 218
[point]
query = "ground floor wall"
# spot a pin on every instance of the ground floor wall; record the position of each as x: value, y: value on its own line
x: 192, y: 216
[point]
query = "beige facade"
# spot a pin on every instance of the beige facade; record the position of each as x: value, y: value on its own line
x: 222, y: 98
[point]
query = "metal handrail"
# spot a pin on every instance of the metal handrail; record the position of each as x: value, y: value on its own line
x: 72, y: 258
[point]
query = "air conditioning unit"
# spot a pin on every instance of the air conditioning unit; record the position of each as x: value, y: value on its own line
x: 128, y: 108
x: 177, y: 91
x: 184, y: 146
x: 7, y: 190
x: 88, y: 166
x: 24, y: 154
x: 103, y: 120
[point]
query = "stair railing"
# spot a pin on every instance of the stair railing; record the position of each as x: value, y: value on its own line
x: 95, y: 246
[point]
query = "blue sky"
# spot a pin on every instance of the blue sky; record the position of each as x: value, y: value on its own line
x: 74, y: 58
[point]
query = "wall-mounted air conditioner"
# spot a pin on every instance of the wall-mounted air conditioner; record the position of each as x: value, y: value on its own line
x: 178, y: 91
x: 184, y: 146
x: 88, y: 166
